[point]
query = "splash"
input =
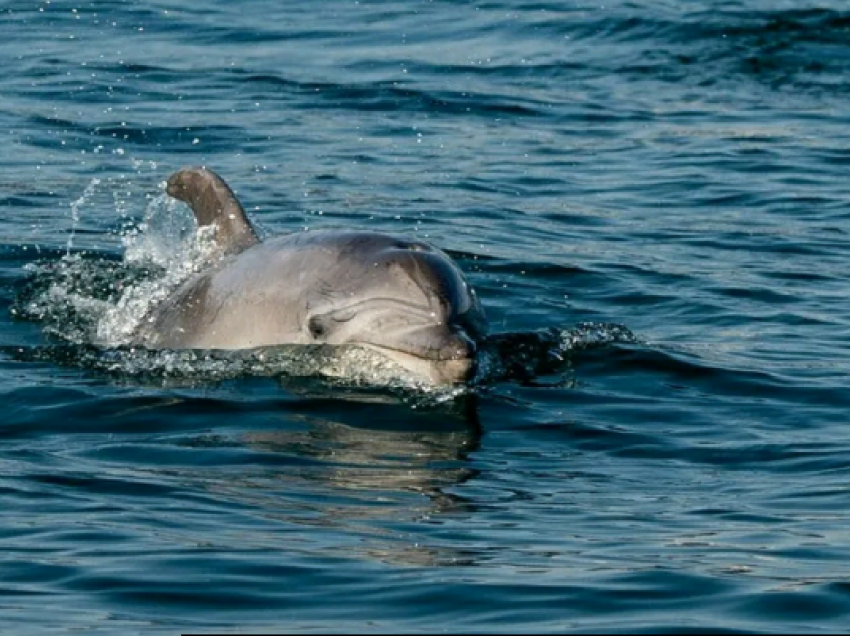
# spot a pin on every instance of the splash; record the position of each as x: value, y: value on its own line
x: 69, y: 295
x: 87, y: 194
x: 85, y: 298
x: 528, y: 355
x: 166, y: 242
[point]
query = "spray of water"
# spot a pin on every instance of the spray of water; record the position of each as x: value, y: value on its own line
x: 75, y: 210
x: 165, y: 242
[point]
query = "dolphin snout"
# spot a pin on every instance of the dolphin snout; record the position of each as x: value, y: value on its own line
x: 458, y: 346
x: 456, y: 360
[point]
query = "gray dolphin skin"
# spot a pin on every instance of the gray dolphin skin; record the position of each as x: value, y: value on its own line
x: 404, y: 299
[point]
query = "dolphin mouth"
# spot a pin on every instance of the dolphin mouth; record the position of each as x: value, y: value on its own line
x: 422, y: 338
x: 431, y: 355
x: 440, y: 350
x: 454, y: 370
x: 426, y: 343
x: 446, y: 358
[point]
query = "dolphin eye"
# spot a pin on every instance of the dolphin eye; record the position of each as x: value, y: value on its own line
x: 316, y: 327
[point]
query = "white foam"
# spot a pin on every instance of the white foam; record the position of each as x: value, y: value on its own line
x: 168, y: 241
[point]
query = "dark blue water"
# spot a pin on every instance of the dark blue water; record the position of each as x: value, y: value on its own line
x: 676, y: 168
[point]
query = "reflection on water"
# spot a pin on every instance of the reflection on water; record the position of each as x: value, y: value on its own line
x: 384, y: 469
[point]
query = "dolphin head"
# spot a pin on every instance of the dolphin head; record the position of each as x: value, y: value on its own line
x: 407, y: 300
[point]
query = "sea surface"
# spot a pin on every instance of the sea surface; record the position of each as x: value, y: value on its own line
x: 655, y: 195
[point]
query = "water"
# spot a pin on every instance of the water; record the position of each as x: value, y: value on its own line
x: 675, y: 168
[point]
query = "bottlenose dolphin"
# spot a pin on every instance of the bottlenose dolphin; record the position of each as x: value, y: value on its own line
x: 402, y: 298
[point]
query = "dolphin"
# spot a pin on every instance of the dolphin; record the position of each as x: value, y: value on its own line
x: 404, y: 299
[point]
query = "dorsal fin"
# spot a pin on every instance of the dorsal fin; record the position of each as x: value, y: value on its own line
x: 214, y: 204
